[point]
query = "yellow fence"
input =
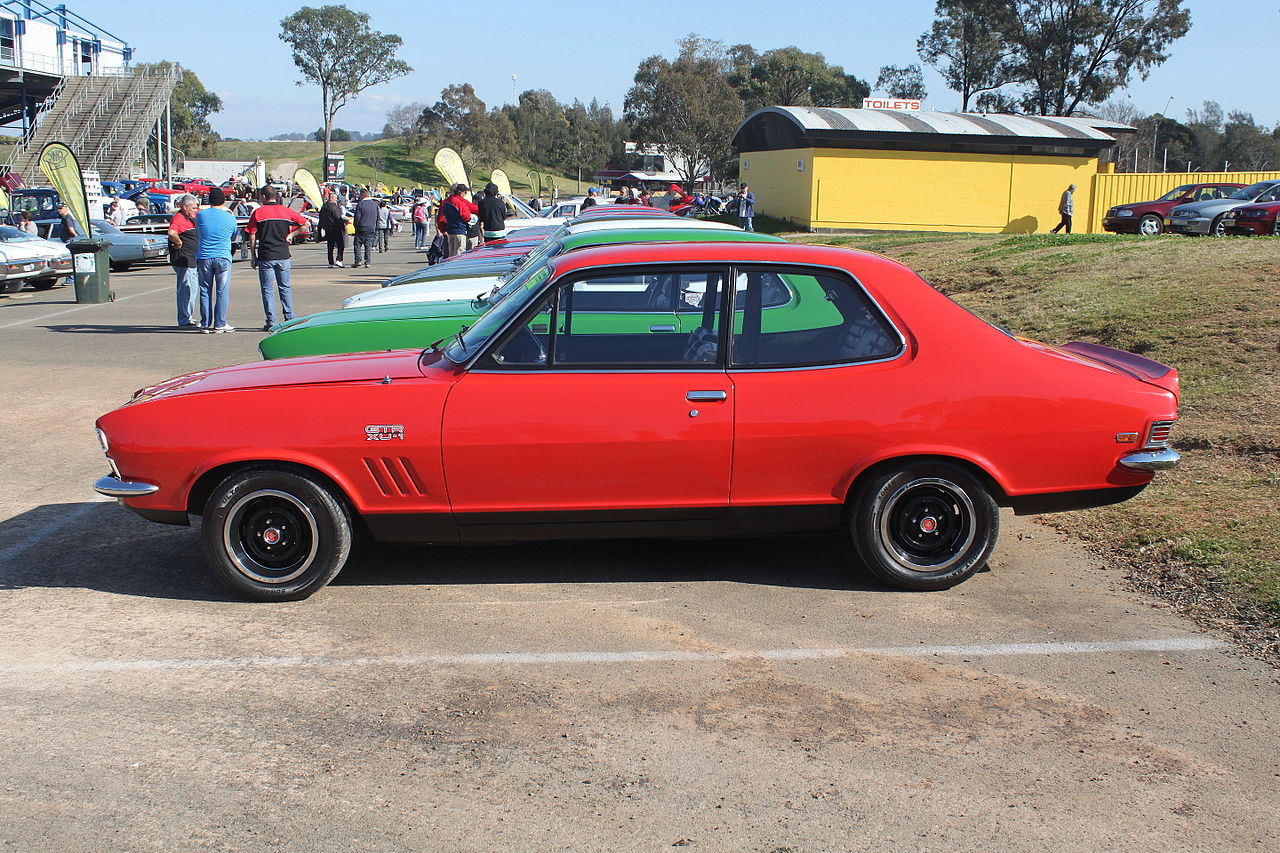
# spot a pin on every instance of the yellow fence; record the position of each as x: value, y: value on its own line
x: 1112, y: 189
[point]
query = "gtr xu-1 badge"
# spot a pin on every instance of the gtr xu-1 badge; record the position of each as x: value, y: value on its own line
x: 384, y: 432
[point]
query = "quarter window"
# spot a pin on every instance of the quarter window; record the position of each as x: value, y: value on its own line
x: 824, y: 319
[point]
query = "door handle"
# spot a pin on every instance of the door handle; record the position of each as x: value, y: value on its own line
x: 706, y: 396
x: 662, y: 328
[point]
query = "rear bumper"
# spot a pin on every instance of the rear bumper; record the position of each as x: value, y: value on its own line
x: 114, y: 487
x: 1162, y: 459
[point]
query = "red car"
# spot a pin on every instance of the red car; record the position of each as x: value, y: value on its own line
x: 1253, y: 219
x: 199, y: 186
x: 1147, y: 217
x: 606, y: 397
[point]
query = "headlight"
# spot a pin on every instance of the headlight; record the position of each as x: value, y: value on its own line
x: 102, y: 441
x: 1124, y: 213
x: 1184, y: 213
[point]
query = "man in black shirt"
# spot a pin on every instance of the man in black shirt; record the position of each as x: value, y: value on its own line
x: 493, y: 213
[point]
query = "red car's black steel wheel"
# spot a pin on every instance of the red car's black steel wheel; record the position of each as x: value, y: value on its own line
x: 275, y: 535
x: 924, y: 525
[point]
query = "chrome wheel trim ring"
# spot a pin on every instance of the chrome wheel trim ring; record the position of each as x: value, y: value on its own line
x: 966, y: 515
x: 238, y: 553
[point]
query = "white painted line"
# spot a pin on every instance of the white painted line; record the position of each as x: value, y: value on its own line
x: 1174, y: 644
x: 52, y: 527
x: 83, y: 307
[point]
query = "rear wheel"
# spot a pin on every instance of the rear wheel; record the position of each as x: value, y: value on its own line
x: 924, y: 525
x: 275, y: 535
x: 1150, y: 225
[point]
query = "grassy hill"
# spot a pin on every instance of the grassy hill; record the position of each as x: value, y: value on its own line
x: 1208, y: 534
x: 398, y: 168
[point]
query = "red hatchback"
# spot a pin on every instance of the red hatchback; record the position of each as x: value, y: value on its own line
x: 1147, y: 217
x: 671, y: 390
x: 1253, y: 220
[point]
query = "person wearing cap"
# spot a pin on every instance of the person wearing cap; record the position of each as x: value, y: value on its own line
x: 216, y: 228
x: 70, y: 229
x: 493, y: 213
x: 457, y: 211
x: 366, y: 221
x: 590, y: 200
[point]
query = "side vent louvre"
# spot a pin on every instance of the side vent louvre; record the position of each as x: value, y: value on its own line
x: 394, y: 476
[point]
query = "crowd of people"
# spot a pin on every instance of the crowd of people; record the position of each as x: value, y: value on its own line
x: 201, y: 238
x: 200, y: 252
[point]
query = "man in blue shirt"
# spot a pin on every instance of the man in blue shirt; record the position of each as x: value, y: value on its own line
x: 216, y: 227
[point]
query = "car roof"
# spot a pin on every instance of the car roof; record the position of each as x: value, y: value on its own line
x: 667, y: 235
x: 717, y: 252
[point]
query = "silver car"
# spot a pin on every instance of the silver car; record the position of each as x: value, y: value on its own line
x: 1205, y: 217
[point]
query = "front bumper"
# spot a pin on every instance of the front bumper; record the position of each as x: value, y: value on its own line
x: 1159, y: 459
x: 1185, y: 225
x: 1127, y: 225
x: 1255, y: 227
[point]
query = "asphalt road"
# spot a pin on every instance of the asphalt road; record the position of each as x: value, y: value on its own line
x: 740, y: 695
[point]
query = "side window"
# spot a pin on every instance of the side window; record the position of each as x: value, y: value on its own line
x: 1271, y: 194
x: 825, y: 319
x: 1207, y: 193
x: 624, y: 319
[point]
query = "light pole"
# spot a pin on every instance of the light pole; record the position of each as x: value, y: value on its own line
x: 514, y: 102
x: 1155, y: 131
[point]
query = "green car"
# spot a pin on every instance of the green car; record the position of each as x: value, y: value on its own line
x: 415, y: 325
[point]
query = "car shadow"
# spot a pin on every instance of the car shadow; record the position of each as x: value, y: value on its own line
x: 101, y: 546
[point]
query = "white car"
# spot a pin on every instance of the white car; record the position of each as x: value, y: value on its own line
x: 28, y: 259
x: 571, y: 207
x: 445, y: 290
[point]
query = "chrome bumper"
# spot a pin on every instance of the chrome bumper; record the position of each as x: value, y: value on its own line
x: 113, y: 487
x: 1152, y: 460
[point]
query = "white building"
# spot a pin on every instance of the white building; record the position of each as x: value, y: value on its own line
x: 54, y: 40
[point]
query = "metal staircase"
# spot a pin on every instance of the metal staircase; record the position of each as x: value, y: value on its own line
x: 105, y: 119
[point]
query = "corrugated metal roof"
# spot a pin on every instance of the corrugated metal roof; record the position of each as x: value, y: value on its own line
x: 948, y: 124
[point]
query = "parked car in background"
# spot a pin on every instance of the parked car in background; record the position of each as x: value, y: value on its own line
x: 571, y: 207
x: 199, y: 186
x: 158, y: 223
x: 125, y: 249
x: 29, y: 260
x: 1206, y: 217
x: 1253, y: 220
x: 440, y: 313
x: 1147, y: 217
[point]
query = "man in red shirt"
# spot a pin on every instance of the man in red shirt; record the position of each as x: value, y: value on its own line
x: 457, y: 211
x: 271, y: 228
x: 183, y: 241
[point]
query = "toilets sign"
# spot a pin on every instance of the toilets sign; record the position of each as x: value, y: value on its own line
x: 903, y: 104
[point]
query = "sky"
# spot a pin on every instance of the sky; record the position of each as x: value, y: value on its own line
x: 588, y: 50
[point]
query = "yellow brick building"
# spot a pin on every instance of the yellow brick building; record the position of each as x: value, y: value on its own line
x: 825, y: 168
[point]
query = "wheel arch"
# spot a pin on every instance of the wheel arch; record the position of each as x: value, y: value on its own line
x: 978, y: 469
x: 202, y: 489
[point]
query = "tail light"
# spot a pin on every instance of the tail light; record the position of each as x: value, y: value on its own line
x: 1159, y: 434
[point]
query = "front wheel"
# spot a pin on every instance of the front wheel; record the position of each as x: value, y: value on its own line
x: 275, y: 535
x: 1217, y: 229
x: 45, y: 283
x: 1150, y: 225
x: 924, y: 525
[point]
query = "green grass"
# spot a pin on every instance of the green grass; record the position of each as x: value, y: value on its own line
x: 399, y: 168
x: 1210, y: 307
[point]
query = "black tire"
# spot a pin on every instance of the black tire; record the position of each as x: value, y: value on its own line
x: 924, y: 525
x: 1150, y: 225
x: 45, y: 283
x: 310, y: 525
x: 1216, y: 228
x: 11, y: 286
